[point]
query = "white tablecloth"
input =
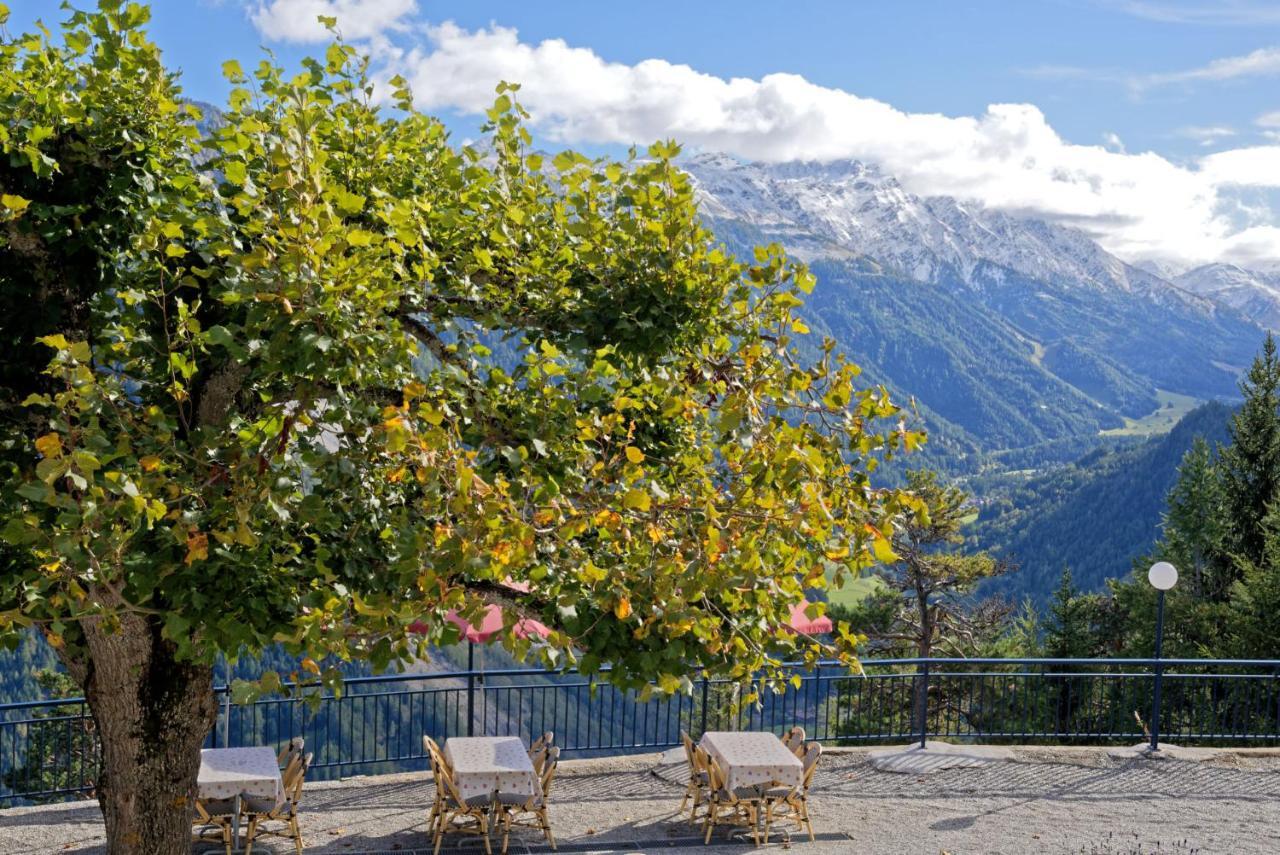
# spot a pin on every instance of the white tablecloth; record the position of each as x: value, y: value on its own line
x: 753, y: 759
x: 229, y: 772
x: 483, y: 765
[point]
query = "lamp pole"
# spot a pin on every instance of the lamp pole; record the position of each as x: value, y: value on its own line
x: 1162, y: 576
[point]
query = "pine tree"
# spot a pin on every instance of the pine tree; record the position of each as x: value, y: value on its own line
x: 1071, y: 626
x: 1195, y: 526
x: 1251, y: 463
x: 1256, y: 603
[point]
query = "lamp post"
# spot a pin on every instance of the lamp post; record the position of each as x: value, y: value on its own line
x: 1162, y: 577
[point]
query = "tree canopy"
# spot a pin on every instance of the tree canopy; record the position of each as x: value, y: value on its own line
x: 226, y: 438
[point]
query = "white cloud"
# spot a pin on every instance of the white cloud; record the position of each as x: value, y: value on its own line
x: 1268, y: 120
x: 1221, y: 13
x: 1138, y: 204
x: 1263, y: 62
x: 296, y: 20
x: 1206, y: 135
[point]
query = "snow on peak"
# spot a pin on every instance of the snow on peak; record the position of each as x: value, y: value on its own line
x: 851, y: 207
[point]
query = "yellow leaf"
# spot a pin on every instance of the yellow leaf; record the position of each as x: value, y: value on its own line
x: 50, y: 445
x: 883, y: 552
x: 623, y: 609
x: 150, y: 463
x: 197, y: 547
x: 14, y: 203
x: 636, y: 499
x: 634, y: 454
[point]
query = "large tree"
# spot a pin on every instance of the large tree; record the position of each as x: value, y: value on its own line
x: 1251, y: 463
x: 926, y: 604
x: 313, y: 373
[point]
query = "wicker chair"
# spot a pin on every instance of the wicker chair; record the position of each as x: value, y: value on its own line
x: 698, y: 780
x: 214, y: 816
x: 732, y: 807
x: 514, y: 809
x: 436, y: 758
x: 794, y: 801
x: 794, y: 740
x: 284, y: 811
x: 538, y: 750
x: 473, y: 812
x: 291, y: 750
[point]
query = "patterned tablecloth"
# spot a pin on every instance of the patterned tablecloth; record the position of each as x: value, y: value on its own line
x: 483, y: 765
x: 753, y: 759
x: 229, y: 772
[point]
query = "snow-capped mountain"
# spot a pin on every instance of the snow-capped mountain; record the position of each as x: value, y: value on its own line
x: 1013, y: 332
x: 1251, y: 292
x: 821, y: 210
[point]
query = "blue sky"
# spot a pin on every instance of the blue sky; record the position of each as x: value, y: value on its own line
x: 1145, y: 122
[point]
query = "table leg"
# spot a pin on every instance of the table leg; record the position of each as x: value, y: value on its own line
x: 235, y: 826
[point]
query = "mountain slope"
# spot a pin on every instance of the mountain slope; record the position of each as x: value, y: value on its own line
x: 1095, y: 516
x: 1253, y: 293
x: 1014, y: 330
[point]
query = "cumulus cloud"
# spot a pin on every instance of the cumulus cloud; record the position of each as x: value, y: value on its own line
x: 297, y: 20
x: 1140, y: 205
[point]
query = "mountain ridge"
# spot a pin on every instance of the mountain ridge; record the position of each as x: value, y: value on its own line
x: 1073, y: 340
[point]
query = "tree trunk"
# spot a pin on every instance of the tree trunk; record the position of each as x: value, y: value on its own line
x: 924, y: 649
x: 152, y: 714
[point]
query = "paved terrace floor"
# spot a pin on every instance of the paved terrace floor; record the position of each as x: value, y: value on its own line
x: 1041, y: 800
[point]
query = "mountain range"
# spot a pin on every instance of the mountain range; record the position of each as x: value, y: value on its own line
x: 1008, y: 331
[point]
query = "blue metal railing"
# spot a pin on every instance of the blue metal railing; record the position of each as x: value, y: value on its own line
x: 48, y: 750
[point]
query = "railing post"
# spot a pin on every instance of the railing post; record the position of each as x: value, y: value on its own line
x: 1155, y: 700
x: 226, y: 713
x: 471, y: 689
x: 924, y: 704
x: 705, y: 685
x: 817, y: 701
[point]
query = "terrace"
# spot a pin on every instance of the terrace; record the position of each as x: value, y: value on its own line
x: 1041, y: 800
x: 621, y: 784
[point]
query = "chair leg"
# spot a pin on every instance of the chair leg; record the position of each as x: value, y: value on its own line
x: 712, y: 809
x: 804, y: 811
x: 684, y: 801
x: 768, y: 817
x: 546, y: 828
x: 297, y: 833
x: 226, y: 837
x: 439, y: 832
x: 484, y: 830
x: 753, y: 816
x: 249, y: 835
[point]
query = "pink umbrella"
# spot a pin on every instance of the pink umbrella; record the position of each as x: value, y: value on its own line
x: 802, y: 623
x: 491, y: 625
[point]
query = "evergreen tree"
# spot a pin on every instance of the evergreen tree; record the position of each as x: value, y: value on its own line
x: 1195, y: 525
x: 1256, y: 613
x: 1251, y: 463
x: 1072, y: 626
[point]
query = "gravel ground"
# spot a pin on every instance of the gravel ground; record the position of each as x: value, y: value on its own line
x: 1044, y: 800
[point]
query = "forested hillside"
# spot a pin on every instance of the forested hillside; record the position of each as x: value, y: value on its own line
x: 1095, y: 516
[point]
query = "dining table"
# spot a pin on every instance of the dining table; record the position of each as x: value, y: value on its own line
x: 489, y: 765
x: 753, y: 759
x: 233, y: 773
